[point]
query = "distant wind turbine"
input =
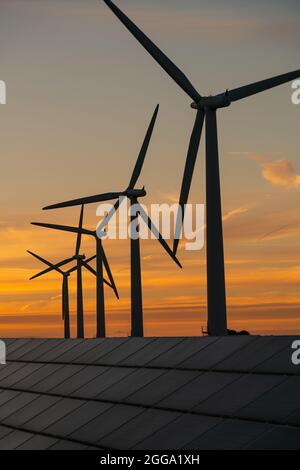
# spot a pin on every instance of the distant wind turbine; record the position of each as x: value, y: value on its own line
x: 206, y: 107
x: 101, y: 260
x: 65, y: 285
x: 133, y: 195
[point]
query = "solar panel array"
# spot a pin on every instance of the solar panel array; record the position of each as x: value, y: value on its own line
x: 239, y: 392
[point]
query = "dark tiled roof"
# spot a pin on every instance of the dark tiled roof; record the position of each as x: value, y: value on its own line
x: 163, y: 393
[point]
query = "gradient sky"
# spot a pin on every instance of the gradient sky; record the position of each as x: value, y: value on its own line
x: 80, y: 93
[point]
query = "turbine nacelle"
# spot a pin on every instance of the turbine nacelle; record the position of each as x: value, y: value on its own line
x: 135, y: 193
x: 213, y: 102
x: 80, y: 257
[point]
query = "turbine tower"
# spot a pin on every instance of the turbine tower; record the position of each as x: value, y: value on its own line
x: 206, y: 107
x: 101, y: 260
x: 133, y: 194
x: 65, y: 285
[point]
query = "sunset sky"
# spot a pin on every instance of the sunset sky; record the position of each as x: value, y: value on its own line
x: 80, y: 94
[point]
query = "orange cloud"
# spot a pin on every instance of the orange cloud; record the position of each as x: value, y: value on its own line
x: 279, y: 172
x: 234, y: 212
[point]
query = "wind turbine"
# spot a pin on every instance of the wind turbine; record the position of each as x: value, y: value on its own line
x: 80, y: 262
x: 101, y: 260
x: 206, y: 107
x: 65, y: 285
x: 133, y: 194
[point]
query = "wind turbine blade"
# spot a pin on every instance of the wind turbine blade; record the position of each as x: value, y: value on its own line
x: 74, y: 268
x: 109, y: 273
x: 94, y: 272
x: 64, y: 228
x: 188, y: 174
x: 90, y: 259
x: 156, y: 53
x: 158, y: 236
x: 141, y: 158
x: 54, y: 267
x: 101, y: 226
x: 89, y: 268
x: 79, y: 234
x: 45, y: 262
x: 85, y: 200
x: 48, y: 263
x: 257, y: 87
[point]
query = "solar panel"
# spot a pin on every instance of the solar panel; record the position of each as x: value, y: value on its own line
x: 56, y: 378
x: 161, y: 387
x: 178, y: 433
x: 163, y: 393
x: 11, y: 347
x: 12, y: 379
x: 95, y: 387
x: 37, y: 353
x: 139, y: 428
x: 79, y: 349
x: 78, y: 418
x: 237, y: 394
x: 6, y: 395
x: 277, y: 404
x: 16, y: 403
x: 181, y: 352
x: 203, y: 386
x: 80, y: 379
x: 17, y: 343
x: 37, y: 443
x: 257, y: 353
x: 57, y: 411
x: 229, y: 435
x: 8, y: 369
x: 14, y: 439
x: 68, y: 445
x: 31, y: 410
x: 130, y: 384
x: 151, y: 351
x: 42, y: 372
x: 216, y: 352
x: 25, y: 349
x: 281, y: 437
x: 279, y: 363
x: 4, y: 431
x: 106, y: 423
x: 61, y: 347
x: 126, y: 349
x: 95, y: 355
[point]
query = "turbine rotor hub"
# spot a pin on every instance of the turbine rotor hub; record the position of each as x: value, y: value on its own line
x: 212, y: 102
x: 135, y: 193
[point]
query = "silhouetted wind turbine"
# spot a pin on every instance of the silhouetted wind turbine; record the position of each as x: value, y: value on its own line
x: 101, y: 260
x: 206, y: 109
x: 80, y: 262
x: 65, y: 285
x: 132, y: 194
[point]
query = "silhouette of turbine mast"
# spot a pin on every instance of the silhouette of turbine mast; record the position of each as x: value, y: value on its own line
x: 133, y: 194
x: 65, y: 285
x: 206, y: 107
